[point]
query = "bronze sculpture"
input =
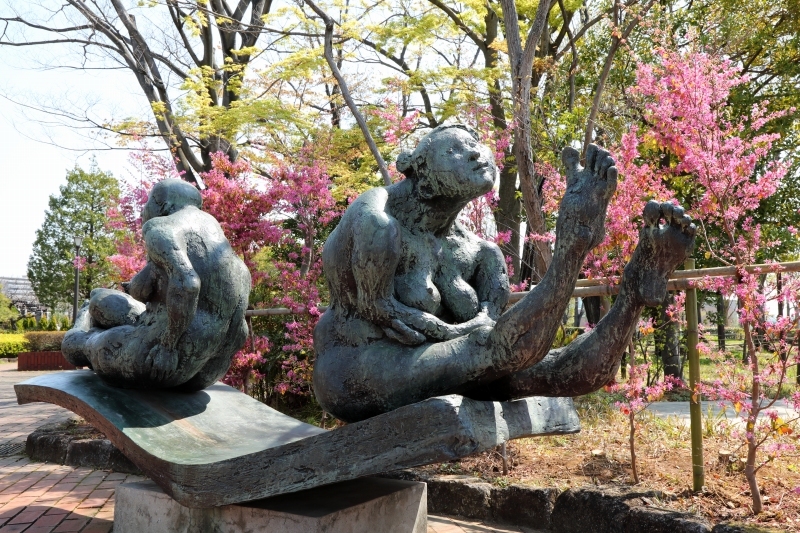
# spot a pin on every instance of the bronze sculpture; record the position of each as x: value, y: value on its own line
x: 416, y: 299
x: 415, y: 340
x: 183, y: 318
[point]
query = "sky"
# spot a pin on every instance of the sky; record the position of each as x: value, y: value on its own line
x: 37, y: 151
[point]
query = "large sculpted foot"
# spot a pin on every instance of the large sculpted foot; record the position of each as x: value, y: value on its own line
x: 661, y: 248
x: 581, y: 222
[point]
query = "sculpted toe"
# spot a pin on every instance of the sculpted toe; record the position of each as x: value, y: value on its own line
x: 591, y: 155
x: 571, y: 158
x: 667, y: 212
x: 605, y: 164
x: 651, y: 213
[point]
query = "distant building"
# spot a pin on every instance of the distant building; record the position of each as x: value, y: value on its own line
x: 20, y: 292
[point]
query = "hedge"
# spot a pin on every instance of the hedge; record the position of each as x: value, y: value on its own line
x: 45, y: 341
x: 13, y: 343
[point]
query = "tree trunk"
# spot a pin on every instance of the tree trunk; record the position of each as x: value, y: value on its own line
x: 632, y: 443
x: 521, y: 60
x: 508, y: 214
x: 722, y: 320
x: 755, y: 397
x: 594, y: 309
x: 668, y: 341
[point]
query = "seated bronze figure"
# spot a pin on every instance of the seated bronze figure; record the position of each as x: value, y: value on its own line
x: 417, y: 301
x: 183, y: 318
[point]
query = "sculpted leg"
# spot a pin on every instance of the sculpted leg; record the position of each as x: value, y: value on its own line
x: 592, y: 360
x: 106, y: 309
x: 74, y: 344
x: 530, y: 326
x: 110, y: 308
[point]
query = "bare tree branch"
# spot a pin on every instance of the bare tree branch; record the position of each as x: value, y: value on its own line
x: 521, y: 60
x: 346, y: 92
x: 616, y: 40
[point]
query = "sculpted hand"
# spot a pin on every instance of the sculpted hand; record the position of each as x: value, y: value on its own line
x: 403, y: 334
x: 482, y: 319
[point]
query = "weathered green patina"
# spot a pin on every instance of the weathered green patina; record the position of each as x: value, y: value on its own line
x: 417, y: 300
x: 219, y: 446
x: 182, y: 318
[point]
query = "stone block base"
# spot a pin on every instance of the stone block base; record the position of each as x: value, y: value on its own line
x: 365, y: 505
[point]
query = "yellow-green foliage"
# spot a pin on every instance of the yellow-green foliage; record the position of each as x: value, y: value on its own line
x: 12, y: 344
x: 564, y: 336
x: 45, y: 341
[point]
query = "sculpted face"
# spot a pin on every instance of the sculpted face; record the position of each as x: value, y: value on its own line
x: 456, y: 166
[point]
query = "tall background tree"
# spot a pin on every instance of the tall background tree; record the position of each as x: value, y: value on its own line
x: 79, y: 209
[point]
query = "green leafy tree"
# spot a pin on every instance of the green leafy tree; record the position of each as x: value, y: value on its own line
x: 79, y: 209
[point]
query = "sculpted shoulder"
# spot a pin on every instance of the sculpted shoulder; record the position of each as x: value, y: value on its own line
x: 158, y: 228
x: 368, y: 210
x: 370, y: 200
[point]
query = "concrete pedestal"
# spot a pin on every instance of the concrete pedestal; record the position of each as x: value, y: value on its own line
x: 365, y: 505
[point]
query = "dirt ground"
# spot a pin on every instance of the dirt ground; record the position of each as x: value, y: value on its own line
x: 600, y: 454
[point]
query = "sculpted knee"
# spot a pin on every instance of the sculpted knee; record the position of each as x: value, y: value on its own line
x: 110, y: 308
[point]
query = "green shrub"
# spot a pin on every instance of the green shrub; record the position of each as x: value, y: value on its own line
x: 13, y: 343
x: 45, y: 341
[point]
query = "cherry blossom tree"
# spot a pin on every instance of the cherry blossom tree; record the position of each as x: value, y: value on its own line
x: 718, y: 166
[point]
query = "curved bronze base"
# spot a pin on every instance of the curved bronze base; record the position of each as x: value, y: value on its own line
x: 219, y: 446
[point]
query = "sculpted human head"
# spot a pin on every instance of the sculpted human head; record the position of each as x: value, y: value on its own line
x: 451, y: 163
x: 169, y: 196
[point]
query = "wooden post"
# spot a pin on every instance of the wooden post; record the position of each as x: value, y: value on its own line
x: 695, y: 410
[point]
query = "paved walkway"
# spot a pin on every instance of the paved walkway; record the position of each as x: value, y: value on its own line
x: 680, y: 411
x: 45, y: 498
x: 17, y: 421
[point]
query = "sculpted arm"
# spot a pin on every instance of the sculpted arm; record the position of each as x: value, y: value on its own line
x: 491, y: 280
x: 143, y: 283
x: 166, y: 249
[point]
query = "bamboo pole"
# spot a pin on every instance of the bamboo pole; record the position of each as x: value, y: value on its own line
x: 715, y: 272
x: 695, y: 409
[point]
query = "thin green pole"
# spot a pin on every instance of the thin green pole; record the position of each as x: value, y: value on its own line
x: 695, y: 410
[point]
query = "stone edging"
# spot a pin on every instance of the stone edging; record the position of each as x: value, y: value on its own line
x: 56, y: 444
x: 591, y: 509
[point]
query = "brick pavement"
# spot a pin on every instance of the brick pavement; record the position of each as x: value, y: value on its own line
x: 18, y: 421
x: 44, y: 498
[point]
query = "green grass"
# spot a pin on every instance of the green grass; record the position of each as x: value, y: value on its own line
x: 709, y: 372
